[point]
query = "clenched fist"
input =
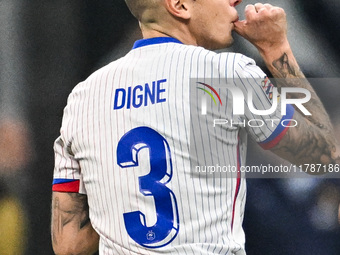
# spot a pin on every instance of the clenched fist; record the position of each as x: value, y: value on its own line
x: 265, y: 26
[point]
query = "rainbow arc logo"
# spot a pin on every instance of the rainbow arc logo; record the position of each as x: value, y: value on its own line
x: 205, y: 86
x: 212, y: 94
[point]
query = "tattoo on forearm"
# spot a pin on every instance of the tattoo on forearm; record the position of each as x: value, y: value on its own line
x: 81, y: 207
x: 76, y: 212
x: 312, y: 145
x: 85, y: 221
x: 283, y: 66
x: 316, y: 141
x: 55, y: 220
x: 293, y: 77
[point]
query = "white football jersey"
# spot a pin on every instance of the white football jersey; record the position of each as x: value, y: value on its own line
x: 127, y: 139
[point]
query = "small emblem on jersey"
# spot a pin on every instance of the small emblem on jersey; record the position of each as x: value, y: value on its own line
x: 140, y: 95
x: 151, y: 235
x: 268, y: 87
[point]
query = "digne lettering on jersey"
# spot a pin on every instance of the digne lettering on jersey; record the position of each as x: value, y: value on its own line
x: 140, y: 95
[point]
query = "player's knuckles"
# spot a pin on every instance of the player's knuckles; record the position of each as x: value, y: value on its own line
x: 263, y: 12
x: 278, y: 14
x: 250, y: 14
x: 249, y: 9
x: 278, y: 10
x: 261, y: 16
x: 271, y: 14
x: 268, y: 6
x: 259, y: 6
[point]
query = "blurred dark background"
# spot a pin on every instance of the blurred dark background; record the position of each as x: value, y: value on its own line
x: 47, y: 47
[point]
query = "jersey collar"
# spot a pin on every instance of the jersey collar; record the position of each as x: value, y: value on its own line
x: 155, y: 40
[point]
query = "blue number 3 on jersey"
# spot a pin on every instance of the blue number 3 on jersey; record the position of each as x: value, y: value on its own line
x: 153, y: 184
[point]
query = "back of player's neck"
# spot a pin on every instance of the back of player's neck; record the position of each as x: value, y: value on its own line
x: 152, y: 31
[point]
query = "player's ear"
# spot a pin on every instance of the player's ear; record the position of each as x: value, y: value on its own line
x: 178, y: 8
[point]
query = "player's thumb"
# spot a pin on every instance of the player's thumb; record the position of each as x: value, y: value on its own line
x: 240, y: 27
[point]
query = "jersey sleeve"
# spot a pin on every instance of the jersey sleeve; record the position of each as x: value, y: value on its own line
x: 265, y: 129
x: 67, y: 172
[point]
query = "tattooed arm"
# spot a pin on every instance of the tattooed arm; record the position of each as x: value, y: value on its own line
x: 313, y: 140
x: 72, y: 232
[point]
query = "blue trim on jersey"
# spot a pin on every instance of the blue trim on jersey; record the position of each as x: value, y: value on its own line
x: 289, y: 114
x: 60, y: 181
x: 155, y: 40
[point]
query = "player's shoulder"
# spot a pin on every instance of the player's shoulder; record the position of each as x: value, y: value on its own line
x: 227, y: 63
x: 241, y: 66
x: 96, y: 78
x: 223, y: 54
x: 104, y: 71
x: 236, y: 59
